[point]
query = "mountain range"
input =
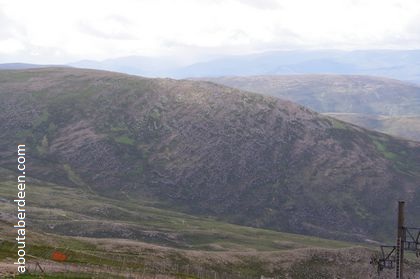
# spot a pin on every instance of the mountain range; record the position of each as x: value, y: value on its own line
x: 398, y: 64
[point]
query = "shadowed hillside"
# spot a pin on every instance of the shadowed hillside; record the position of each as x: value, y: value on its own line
x: 110, y: 238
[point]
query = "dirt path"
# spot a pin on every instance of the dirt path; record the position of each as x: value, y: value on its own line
x: 7, y: 269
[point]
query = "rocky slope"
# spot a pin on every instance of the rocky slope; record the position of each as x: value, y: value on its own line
x: 208, y: 150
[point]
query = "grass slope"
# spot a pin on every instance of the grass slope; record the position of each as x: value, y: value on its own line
x: 173, y: 245
x: 149, y: 241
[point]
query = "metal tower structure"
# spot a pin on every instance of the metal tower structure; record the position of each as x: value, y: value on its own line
x: 392, y: 256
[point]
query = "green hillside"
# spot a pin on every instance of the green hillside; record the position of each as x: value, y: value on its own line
x: 98, y: 234
x: 206, y: 150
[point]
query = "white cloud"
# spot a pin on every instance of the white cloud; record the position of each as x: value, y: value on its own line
x: 10, y: 46
x: 262, y: 4
x: 100, y: 29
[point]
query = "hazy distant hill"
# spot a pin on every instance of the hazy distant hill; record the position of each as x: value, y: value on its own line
x: 400, y: 64
x: 386, y: 105
x: 21, y: 66
x: 208, y: 150
x: 403, y: 126
x: 135, y: 65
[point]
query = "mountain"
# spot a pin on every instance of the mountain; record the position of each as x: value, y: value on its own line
x: 207, y: 150
x: 386, y: 105
x: 398, y: 64
x: 136, y: 65
x: 21, y: 66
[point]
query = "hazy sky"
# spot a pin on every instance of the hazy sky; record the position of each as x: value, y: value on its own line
x: 59, y: 31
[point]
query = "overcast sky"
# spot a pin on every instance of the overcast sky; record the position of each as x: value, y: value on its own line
x: 60, y: 31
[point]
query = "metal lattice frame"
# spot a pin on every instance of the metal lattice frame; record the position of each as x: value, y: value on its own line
x: 392, y: 255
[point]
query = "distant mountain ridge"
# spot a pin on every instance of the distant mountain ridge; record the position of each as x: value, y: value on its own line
x: 135, y: 65
x: 22, y: 66
x: 399, y: 64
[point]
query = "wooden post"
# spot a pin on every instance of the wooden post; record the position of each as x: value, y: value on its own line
x: 400, y: 242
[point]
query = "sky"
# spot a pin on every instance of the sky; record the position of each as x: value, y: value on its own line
x: 62, y: 31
